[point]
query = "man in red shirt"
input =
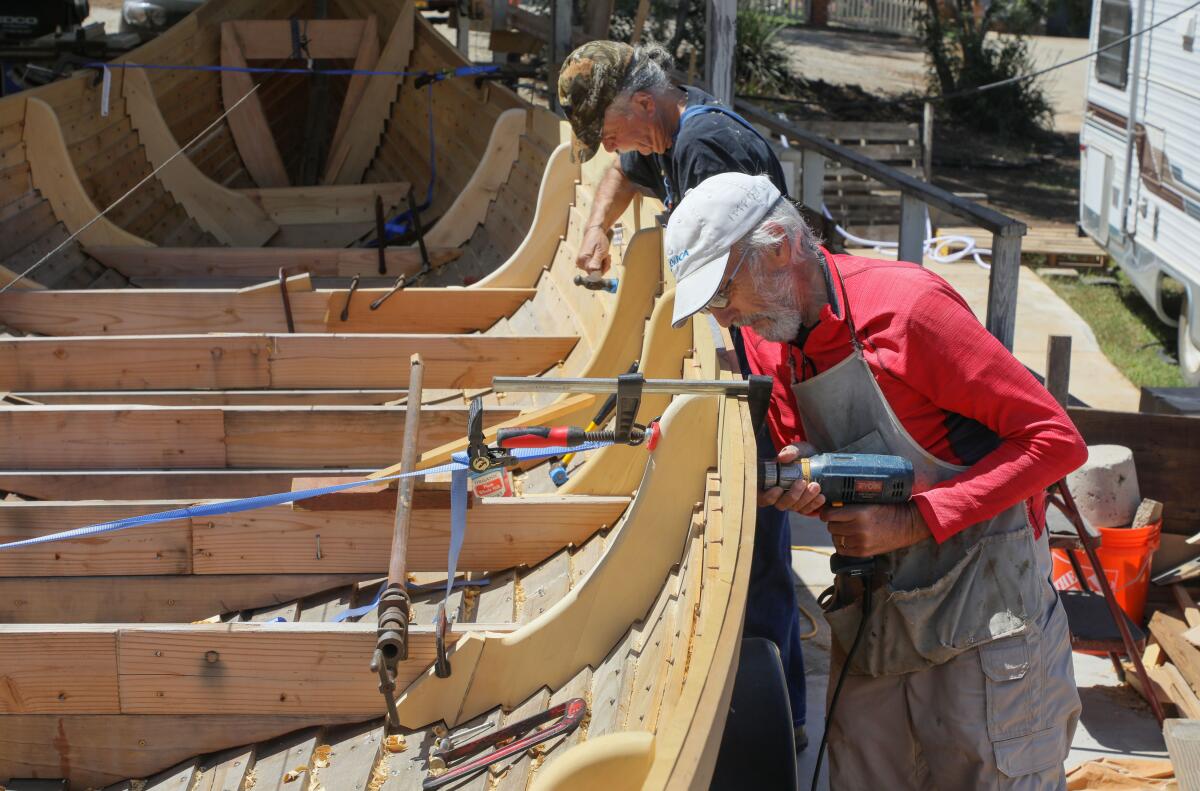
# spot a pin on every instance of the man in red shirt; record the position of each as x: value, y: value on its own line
x: 962, y: 674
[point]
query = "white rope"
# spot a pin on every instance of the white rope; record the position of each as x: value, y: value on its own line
x: 946, y: 249
x: 132, y: 190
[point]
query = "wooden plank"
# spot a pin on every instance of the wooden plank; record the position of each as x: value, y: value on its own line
x: 229, y: 216
x: 348, y: 162
x: 54, y: 176
x: 1168, y: 632
x: 503, y: 533
x: 352, y: 754
x: 91, y: 437
x: 157, y: 599
x: 96, y: 750
x: 248, y: 123
x: 340, y: 203
x: 300, y: 668
x: 258, y: 264
x: 226, y: 771
x: 268, y: 361
x: 58, y: 671
x: 1183, y: 745
x: 285, y: 760
x: 271, y: 39
x: 377, y: 397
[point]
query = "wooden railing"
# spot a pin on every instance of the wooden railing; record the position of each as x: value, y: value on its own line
x: 877, y: 16
x: 915, y: 196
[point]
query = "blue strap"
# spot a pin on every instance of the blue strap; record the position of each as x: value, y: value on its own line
x: 358, y: 612
x: 263, y: 501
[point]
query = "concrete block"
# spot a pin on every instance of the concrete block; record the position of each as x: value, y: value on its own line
x: 1106, y: 487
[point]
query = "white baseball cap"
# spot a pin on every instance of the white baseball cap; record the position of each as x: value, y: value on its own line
x: 702, y: 229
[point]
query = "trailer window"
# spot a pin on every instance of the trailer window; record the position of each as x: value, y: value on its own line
x: 1112, y: 65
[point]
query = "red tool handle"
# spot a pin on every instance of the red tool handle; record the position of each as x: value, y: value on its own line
x: 540, y: 437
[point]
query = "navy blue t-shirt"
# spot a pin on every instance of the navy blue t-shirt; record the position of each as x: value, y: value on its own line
x: 708, y: 144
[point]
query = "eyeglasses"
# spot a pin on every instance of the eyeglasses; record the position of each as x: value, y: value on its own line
x: 720, y: 300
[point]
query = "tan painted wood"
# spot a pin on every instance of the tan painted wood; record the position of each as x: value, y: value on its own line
x: 503, y: 533
x: 231, y: 217
x: 257, y: 264
x: 365, y: 59
x: 348, y: 162
x: 58, y: 671
x: 470, y: 208
x: 169, y: 598
x: 97, y: 750
x: 577, y: 630
x: 54, y: 176
x: 255, y: 437
x: 248, y: 123
x: 550, y: 219
x: 271, y: 39
x: 268, y: 361
x: 340, y: 203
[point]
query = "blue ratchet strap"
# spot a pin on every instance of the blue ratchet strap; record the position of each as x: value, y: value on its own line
x: 458, y: 531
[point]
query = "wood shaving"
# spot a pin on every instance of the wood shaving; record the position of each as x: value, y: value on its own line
x: 321, y: 756
x: 293, y: 775
x: 379, y: 775
x: 251, y: 779
x: 395, y: 744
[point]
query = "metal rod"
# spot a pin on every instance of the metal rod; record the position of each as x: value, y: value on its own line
x: 536, y: 384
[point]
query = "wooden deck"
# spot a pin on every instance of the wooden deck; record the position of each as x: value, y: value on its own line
x: 1060, y: 244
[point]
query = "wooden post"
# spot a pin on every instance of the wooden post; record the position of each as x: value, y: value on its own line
x: 639, y: 22
x: 599, y: 16
x: 560, y: 45
x: 912, y: 229
x: 927, y: 143
x: 812, y: 181
x: 1002, y: 288
x: 408, y: 462
x: 462, y: 34
x: 720, y: 43
x: 1058, y: 368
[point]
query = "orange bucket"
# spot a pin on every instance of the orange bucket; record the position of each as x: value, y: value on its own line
x: 1125, y: 554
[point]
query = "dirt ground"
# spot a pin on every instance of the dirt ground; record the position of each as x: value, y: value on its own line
x: 854, y: 76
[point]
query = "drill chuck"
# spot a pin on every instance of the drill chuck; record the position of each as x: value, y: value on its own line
x: 845, y: 478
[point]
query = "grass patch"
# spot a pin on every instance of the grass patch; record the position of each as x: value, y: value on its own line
x: 1129, y: 332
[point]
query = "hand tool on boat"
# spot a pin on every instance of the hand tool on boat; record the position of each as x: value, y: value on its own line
x: 558, y: 467
x: 391, y: 645
x: 845, y: 478
x: 597, y: 283
x: 349, y: 296
x: 508, y: 741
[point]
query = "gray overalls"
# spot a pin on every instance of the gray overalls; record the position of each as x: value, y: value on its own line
x: 963, y: 678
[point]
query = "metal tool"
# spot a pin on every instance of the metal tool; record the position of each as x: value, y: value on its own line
x: 608, y: 284
x: 845, y: 478
x: 507, y: 741
x: 380, y: 236
x: 349, y: 296
x: 401, y: 282
x: 558, y: 467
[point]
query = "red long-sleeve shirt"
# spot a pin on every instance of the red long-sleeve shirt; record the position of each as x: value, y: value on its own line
x: 955, y: 389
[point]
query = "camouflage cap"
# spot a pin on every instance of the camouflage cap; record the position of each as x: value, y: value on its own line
x: 587, y: 83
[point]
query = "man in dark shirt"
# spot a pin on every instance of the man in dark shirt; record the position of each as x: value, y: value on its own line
x: 670, y: 139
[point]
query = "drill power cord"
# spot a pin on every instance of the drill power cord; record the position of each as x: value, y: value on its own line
x: 837, y: 690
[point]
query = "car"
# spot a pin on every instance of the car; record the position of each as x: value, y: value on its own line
x: 148, y: 18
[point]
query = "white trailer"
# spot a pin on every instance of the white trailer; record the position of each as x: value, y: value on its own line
x: 1140, y: 151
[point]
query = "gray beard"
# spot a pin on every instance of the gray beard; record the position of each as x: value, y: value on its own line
x: 780, y: 325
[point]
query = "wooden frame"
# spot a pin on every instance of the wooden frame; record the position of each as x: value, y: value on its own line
x: 248, y: 123
x: 266, y: 361
x: 175, y: 311
x: 123, y: 436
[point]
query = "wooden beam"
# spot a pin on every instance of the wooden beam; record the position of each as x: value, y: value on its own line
x: 349, y: 160
x: 505, y: 532
x: 1168, y: 632
x: 219, y: 397
x: 177, y: 311
x: 229, y: 216
x: 254, y: 264
x: 338, y: 203
x: 721, y: 43
x: 102, y: 436
x: 169, y: 598
x: 271, y: 39
x: 234, y: 668
x: 94, y: 751
x: 54, y: 175
x: 268, y: 361
x: 248, y: 123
